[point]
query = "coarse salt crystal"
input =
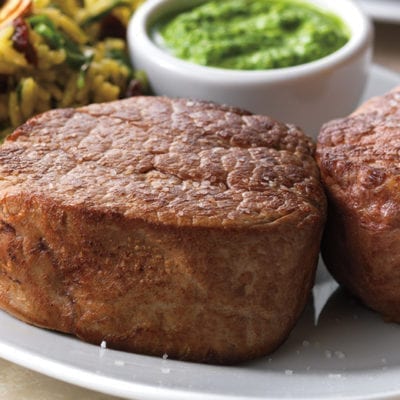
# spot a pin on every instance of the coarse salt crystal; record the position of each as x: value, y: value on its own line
x: 165, y: 356
x: 103, y: 344
x: 328, y: 354
x: 288, y: 372
x: 340, y: 355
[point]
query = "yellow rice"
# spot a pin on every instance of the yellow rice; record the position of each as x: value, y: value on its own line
x: 28, y: 89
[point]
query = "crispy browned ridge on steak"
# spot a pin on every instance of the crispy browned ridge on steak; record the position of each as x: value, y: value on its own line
x: 360, y: 167
x: 160, y: 226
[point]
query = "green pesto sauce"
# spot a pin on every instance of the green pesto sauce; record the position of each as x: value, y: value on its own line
x: 253, y: 34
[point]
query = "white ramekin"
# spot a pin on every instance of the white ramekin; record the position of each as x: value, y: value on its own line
x: 307, y: 95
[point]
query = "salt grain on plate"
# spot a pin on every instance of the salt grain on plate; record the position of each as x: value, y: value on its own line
x: 288, y: 372
x: 103, y: 344
x: 328, y: 354
x: 340, y: 355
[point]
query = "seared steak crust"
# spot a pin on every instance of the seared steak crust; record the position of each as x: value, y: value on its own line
x: 160, y: 226
x: 359, y: 161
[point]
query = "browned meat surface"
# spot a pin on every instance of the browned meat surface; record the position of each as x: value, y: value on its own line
x: 359, y: 157
x: 160, y: 226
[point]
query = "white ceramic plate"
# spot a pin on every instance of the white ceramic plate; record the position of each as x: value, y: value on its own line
x: 339, y: 350
x: 382, y: 10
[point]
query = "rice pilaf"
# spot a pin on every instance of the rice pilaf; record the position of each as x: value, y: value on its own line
x: 62, y: 54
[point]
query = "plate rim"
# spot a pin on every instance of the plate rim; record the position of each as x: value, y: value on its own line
x: 381, y: 10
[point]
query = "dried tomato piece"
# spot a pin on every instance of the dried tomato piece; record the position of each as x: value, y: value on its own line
x: 134, y: 88
x: 111, y: 26
x: 21, y: 43
x: 4, y: 83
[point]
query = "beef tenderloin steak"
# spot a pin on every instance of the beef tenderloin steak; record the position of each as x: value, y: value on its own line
x: 359, y: 158
x: 160, y: 226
